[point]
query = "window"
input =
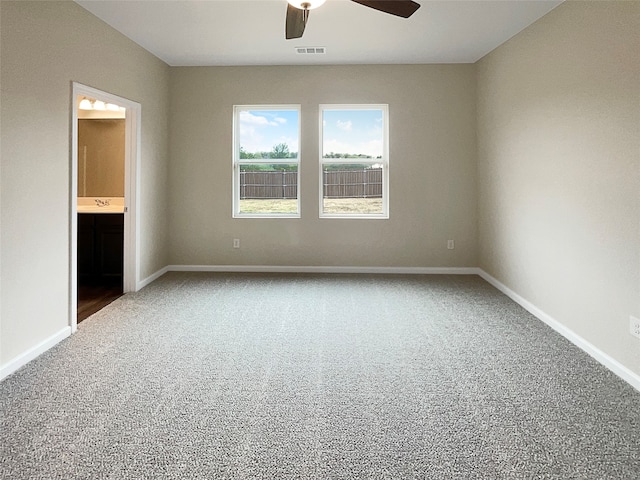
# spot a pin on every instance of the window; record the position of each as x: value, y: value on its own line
x: 354, y: 173
x: 266, y: 161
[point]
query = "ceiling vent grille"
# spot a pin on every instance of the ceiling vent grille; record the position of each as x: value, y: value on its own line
x: 311, y: 50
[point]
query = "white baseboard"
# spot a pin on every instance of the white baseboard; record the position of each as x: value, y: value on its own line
x: 151, y: 278
x: 32, y: 353
x: 612, y: 364
x: 324, y: 269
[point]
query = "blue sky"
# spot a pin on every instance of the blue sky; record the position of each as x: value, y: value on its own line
x: 260, y: 130
x: 352, y: 131
x: 344, y: 131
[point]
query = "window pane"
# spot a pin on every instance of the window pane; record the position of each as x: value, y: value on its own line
x: 266, y: 160
x: 354, y: 160
x: 268, y: 188
x: 268, y: 134
x: 352, y: 188
x: 352, y: 133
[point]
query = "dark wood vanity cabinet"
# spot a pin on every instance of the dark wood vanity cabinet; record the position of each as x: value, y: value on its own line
x: 100, y: 248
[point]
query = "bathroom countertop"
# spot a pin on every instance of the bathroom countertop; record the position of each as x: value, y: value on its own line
x: 100, y: 205
x: 109, y: 209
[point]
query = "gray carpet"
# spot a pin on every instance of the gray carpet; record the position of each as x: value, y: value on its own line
x: 317, y: 377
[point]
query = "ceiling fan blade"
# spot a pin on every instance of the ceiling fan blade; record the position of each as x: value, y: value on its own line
x: 295, y: 23
x: 401, y: 8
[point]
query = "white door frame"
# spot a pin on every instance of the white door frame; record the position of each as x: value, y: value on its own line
x: 131, y: 191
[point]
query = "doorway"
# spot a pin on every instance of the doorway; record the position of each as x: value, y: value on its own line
x: 103, y: 198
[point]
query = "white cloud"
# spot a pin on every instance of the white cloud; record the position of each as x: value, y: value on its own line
x: 345, y: 126
x: 247, y: 118
x: 259, y: 133
x: 372, y: 148
x: 250, y: 139
x: 335, y: 146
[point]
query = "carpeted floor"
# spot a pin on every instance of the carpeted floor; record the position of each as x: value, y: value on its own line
x: 317, y: 377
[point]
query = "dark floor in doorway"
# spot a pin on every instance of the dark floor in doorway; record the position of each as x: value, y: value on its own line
x: 92, y: 298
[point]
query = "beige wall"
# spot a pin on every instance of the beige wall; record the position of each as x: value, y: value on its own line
x: 559, y: 169
x: 44, y: 47
x: 432, y: 167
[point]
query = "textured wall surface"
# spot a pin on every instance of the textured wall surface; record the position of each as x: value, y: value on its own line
x: 559, y: 169
x: 45, y: 47
x: 432, y: 167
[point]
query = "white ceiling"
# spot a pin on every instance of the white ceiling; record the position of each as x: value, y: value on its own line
x: 251, y: 32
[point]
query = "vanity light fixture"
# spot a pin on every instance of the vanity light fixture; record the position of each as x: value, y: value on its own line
x: 85, y: 104
x: 92, y: 104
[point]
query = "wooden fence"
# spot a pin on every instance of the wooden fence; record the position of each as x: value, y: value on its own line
x: 365, y: 183
x: 268, y: 184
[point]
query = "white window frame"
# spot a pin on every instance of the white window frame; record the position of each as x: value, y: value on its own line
x: 237, y: 161
x: 384, y: 161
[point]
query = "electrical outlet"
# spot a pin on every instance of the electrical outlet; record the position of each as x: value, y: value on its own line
x: 236, y: 243
x: 451, y: 244
x: 634, y: 326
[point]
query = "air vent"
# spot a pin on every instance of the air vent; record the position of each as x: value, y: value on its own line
x: 312, y: 50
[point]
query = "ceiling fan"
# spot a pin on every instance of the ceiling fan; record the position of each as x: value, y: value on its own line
x: 298, y: 12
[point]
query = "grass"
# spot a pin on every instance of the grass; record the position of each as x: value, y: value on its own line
x: 275, y: 205
x: 331, y: 205
x: 352, y: 205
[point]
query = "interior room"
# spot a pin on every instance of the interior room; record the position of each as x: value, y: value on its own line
x: 101, y: 197
x: 513, y: 176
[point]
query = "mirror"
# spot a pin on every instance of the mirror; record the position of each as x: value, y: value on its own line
x: 101, y: 149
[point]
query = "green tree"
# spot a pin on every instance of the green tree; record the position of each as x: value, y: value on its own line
x: 245, y: 154
x: 280, y: 150
x: 347, y: 155
x: 346, y: 166
x: 284, y: 167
